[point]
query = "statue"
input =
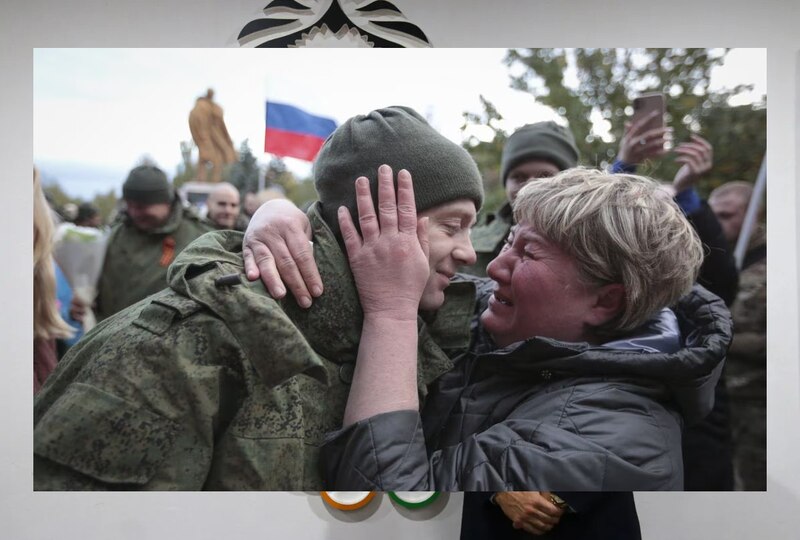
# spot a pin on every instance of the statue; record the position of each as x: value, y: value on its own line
x: 211, y: 137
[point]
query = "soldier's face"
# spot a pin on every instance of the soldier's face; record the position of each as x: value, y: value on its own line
x: 223, y: 208
x: 450, y: 247
x: 147, y: 217
x: 730, y: 210
x: 525, y: 172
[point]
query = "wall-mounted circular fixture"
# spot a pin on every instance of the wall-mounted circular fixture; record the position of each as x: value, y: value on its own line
x: 413, y: 499
x: 347, y: 500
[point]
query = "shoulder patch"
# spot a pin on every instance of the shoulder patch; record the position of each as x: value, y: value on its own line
x: 164, y: 308
x: 182, y: 305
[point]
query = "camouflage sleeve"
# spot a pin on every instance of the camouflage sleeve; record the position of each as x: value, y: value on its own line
x: 138, y: 404
x: 749, y: 313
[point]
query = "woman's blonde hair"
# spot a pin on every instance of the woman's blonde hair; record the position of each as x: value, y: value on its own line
x: 620, y: 228
x: 47, y: 322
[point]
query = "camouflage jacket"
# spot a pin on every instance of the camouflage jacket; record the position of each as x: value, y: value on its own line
x: 136, y: 262
x: 213, y: 384
x: 488, y: 239
x: 746, y: 373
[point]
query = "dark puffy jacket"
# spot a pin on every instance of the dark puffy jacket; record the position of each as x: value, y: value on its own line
x: 546, y: 415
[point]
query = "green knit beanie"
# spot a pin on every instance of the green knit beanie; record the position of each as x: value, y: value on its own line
x: 442, y: 171
x: 147, y: 185
x: 542, y: 140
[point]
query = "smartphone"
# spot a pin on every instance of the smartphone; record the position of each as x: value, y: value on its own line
x: 644, y: 105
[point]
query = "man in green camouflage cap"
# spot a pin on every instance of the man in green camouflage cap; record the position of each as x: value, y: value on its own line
x: 155, y: 227
x: 539, y: 150
x: 212, y: 383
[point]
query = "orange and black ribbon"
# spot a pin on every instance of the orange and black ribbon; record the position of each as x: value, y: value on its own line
x: 167, y: 251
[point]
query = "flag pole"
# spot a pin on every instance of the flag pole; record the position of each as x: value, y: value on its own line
x: 751, y: 214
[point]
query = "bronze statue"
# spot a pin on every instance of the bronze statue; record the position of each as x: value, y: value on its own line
x: 211, y: 137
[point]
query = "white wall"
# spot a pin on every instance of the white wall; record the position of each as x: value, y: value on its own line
x: 25, y: 24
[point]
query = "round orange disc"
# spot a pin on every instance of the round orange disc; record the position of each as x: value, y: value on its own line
x: 347, y: 500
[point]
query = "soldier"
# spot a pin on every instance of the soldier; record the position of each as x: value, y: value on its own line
x: 213, y: 384
x: 746, y: 371
x: 223, y: 208
x: 534, y: 151
x: 154, y: 228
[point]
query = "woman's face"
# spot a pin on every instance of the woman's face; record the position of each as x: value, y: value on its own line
x: 538, y: 292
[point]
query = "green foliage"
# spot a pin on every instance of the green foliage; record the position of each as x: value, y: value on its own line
x: 300, y: 192
x: 487, y: 154
x: 739, y: 137
x: 187, y: 171
x: 57, y: 196
x: 106, y: 204
x: 606, y: 82
x: 244, y: 173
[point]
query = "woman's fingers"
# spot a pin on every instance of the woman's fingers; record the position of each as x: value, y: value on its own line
x: 352, y: 240
x: 367, y: 219
x: 406, y: 206
x: 387, y: 203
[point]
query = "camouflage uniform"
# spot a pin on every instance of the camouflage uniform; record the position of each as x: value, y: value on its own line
x: 746, y: 370
x: 213, y: 384
x: 488, y: 239
x: 136, y: 262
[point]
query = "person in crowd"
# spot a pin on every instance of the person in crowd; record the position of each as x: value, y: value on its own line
x: 746, y: 370
x: 154, y: 228
x: 539, y: 151
x: 48, y: 325
x: 223, y: 208
x: 88, y: 216
x: 580, y: 376
x: 212, y: 383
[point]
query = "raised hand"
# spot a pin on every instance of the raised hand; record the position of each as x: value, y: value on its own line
x: 638, y: 144
x: 389, y: 259
x: 696, y: 157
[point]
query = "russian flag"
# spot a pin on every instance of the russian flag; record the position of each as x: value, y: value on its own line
x: 292, y: 132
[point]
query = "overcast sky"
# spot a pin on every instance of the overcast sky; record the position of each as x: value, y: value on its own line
x: 98, y: 111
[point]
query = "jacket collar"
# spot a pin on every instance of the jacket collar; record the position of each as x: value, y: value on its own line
x: 690, y: 373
